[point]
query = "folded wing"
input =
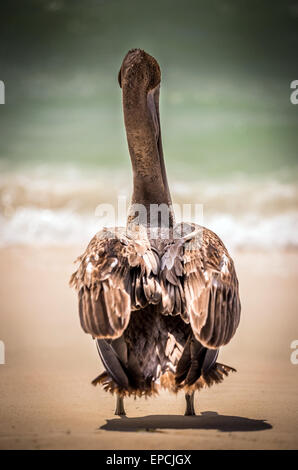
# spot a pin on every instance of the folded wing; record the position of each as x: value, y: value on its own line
x: 117, y: 274
x: 199, y: 282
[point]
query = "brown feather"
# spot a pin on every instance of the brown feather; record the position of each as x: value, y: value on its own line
x: 120, y: 273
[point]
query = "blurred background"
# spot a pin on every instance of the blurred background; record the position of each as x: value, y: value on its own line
x: 229, y: 129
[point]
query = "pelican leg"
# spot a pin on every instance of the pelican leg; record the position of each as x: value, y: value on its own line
x: 120, y: 411
x: 190, y: 409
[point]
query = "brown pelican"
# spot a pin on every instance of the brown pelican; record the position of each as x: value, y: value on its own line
x: 159, y: 298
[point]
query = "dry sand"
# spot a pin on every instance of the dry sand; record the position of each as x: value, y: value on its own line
x: 47, y: 402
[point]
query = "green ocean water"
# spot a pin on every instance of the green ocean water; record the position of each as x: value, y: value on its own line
x: 226, y: 73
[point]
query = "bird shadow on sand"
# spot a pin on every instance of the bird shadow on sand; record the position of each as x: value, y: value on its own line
x: 206, y: 420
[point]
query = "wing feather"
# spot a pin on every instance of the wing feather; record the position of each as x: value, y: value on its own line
x: 191, y: 276
x: 198, y: 280
x: 211, y: 290
x: 117, y: 274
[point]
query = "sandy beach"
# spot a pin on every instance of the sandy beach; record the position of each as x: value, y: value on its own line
x: 47, y: 401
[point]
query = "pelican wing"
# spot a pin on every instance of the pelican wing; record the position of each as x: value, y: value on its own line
x: 117, y: 274
x: 200, y: 283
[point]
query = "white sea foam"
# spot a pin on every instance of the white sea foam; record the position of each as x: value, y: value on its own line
x: 65, y: 227
x: 45, y: 208
x: 46, y: 227
x: 253, y: 231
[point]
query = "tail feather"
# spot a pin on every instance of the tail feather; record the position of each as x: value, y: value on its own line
x: 112, y: 363
x: 215, y: 375
x: 197, y: 368
x: 197, y: 355
x: 195, y: 360
x: 183, y: 364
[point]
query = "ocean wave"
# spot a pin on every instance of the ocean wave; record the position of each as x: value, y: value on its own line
x: 57, y: 206
x: 82, y: 190
x: 253, y: 231
x: 65, y: 227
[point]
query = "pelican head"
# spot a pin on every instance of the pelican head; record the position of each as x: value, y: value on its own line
x: 139, y: 69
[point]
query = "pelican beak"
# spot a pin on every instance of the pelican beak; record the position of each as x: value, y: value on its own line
x: 152, y: 102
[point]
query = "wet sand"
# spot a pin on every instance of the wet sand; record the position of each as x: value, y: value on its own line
x: 47, y: 402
